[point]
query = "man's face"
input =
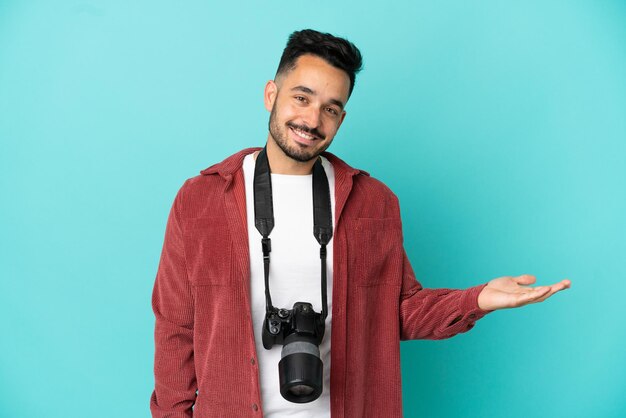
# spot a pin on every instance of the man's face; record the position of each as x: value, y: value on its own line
x: 306, y: 107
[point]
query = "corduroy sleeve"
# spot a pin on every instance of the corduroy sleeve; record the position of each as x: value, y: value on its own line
x: 436, y: 314
x: 172, y: 302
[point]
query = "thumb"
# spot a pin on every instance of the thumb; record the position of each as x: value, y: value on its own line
x: 525, y: 279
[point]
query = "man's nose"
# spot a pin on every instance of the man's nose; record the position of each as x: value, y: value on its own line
x: 312, y: 117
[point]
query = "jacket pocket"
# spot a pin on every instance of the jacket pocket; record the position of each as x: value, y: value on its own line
x: 208, y: 251
x: 374, y: 251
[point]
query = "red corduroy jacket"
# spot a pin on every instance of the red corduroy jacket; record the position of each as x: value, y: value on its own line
x: 205, y: 355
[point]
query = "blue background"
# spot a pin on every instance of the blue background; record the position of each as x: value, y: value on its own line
x: 501, y: 126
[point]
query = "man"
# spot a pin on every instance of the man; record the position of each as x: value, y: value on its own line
x: 209, y: 295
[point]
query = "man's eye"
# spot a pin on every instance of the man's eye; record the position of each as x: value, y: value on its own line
x: 300, y: 98
x: 331, y: 111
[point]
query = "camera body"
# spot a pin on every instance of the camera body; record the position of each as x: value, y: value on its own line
x: 300, y: 331
x: 301, y: 322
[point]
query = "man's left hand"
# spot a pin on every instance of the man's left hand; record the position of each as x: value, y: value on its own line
x: 513, y: 292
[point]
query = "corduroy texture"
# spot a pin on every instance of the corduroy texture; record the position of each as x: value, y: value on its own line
x: 204, y: 340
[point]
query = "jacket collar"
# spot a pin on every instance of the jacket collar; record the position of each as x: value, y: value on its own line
x: 233, y: 163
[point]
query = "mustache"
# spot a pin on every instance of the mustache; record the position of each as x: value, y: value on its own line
x: 308, y: 130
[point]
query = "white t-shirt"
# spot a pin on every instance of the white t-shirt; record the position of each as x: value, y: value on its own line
x: 294, y: 277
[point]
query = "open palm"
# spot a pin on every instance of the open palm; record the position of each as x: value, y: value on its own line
x: 512, y: 292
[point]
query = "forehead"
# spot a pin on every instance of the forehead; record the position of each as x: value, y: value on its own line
x: 317, y: 74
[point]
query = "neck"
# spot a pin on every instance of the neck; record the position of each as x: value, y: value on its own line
x: 281, y: 163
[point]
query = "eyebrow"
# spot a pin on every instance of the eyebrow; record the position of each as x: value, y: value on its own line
x: 307, y: 90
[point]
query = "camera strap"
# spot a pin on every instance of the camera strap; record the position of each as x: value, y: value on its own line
x: 264, y: 218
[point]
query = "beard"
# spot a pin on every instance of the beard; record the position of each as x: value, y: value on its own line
x: 294, y: 151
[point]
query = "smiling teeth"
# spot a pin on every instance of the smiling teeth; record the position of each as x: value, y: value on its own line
x: 302, y: 134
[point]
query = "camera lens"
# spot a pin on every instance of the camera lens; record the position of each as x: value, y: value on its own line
x: 301, y: 390
x: 300, y: 370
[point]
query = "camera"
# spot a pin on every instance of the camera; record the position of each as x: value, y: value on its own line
x: 300, y: 331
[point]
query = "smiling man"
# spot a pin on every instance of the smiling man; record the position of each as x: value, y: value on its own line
x: 283, y: 287
x: 307, y: 108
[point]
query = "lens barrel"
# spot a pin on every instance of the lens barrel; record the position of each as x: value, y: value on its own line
x: 300, y: 371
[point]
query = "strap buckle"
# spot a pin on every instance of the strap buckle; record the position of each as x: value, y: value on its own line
x: 266, y: 243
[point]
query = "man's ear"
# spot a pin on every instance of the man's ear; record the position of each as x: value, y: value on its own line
x: 269, y: 97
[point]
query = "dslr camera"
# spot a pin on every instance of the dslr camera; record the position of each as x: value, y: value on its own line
x: 300, y: 331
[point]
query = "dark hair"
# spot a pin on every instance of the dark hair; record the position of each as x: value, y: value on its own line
x: 338, y: 52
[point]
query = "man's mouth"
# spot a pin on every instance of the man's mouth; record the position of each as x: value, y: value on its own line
x: 303, y: 137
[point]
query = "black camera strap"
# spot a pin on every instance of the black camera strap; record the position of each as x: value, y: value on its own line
x: 264, y: 218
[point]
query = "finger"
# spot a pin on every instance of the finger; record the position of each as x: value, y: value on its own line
x: 525, y: 279
x: 533, y: 295
x: 562, y: 285
x: 565, y: 284
x: 557, y: 287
